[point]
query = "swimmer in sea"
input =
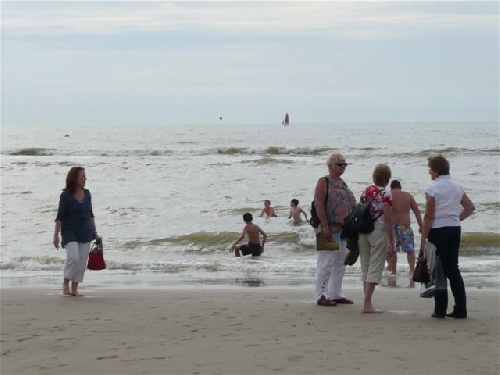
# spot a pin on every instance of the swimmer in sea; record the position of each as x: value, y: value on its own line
x: 254, y: 247
x: 268, y: 210
x: 295, y: 212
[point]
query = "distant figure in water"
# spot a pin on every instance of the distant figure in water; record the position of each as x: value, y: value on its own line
x: 295, y: 212
x: 286, y: 121
x: 268, y: 210
x: 254, y: 247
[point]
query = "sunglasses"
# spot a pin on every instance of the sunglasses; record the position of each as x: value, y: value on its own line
x: 341, y: 164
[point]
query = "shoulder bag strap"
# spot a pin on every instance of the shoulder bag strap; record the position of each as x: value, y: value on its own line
x: 327, y: 186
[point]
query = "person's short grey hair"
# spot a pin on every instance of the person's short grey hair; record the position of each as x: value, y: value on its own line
x: 336, y: 157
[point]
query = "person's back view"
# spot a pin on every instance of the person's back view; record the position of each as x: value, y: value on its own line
x: 402, y: 203
x: 296, y: 211
x: 253, y: 232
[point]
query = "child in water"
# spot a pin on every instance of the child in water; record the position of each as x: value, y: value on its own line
x: 268, y: 210
x: 295, y: 212
x: 253, y: 247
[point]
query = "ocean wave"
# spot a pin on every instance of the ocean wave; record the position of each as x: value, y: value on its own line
x: 268, y: 160
x: 488, y: 206
x: 449, y: 151
x: 275, y: 150
x: 211, y: 238
x: 33, y: 151
x: 235, y: 150
x: 481, y: 239
x: 199, y: 265
x: 201, y: 238
x: 43, y: 263
x: 469, y: 239
x: 480, y: 244
x: 232, y: 150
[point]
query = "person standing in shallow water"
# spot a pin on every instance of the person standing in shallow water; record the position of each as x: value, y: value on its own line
x: 446, y: 205
x: 76, y: 224
x: 254, y: 246
x: 333, y: 201
x: 402, y: 203
x: 268, y: 210
x: 296, y: 212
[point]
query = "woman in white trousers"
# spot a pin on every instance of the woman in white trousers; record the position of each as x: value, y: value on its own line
x: 333, y: 201
x: 75, y: 222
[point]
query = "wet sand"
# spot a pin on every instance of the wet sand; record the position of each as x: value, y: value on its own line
x: 241, y: 331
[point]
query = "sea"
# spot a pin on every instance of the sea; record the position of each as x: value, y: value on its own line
x: 168, y: 200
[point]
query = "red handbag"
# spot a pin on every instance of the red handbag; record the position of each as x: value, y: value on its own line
x: 96, y: 258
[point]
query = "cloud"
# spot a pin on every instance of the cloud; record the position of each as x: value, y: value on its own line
x: 359, y: 20
x: 164, y: 58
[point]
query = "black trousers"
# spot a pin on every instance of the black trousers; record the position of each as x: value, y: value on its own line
x: 447, y: 242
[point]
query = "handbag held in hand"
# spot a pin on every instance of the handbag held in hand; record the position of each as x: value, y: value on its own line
x: 96, y: 258
x: 421, y: 272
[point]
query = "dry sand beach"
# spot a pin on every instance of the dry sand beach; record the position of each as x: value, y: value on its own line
x: 241, y: 331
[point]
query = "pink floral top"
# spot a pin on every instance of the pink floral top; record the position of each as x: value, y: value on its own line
x: 340, y: 202
x: 379, y: 197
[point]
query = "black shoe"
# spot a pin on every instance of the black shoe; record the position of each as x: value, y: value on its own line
x: 457, y: 316
x: 439, y: 316
x: 323, y: 301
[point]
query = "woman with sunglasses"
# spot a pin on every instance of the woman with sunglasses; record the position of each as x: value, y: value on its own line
x: 333, y: 201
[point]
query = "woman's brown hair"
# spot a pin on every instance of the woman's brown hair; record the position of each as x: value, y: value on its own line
x: 71, y: 179
x: 381, y: 175
x: 439, y: 164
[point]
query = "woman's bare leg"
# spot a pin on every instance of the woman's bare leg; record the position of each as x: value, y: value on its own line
x: 66, y: 287
x: 74, y: 289
x: 367, y: 305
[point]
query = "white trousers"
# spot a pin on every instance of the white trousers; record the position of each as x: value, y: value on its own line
x: 330, y: 272
x: 77, y: 254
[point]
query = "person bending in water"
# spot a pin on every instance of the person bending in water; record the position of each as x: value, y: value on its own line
x: 295, y: 212
x: 254, y: 246
x: 268, y: 210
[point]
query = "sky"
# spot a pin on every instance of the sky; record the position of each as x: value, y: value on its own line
x: 186, y: 62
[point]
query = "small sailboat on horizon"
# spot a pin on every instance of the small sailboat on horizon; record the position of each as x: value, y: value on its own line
x: 286, y: 121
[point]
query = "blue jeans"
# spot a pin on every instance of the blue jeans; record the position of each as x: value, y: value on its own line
x: 447, y: 242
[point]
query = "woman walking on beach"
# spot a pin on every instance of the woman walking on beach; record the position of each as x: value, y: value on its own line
x: 374, y: 246
x: 333, y: 201
x: 75, y: 221
x: 446, y: 205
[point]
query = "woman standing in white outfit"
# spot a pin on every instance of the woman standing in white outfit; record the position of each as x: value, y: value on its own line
x: 333, y: 201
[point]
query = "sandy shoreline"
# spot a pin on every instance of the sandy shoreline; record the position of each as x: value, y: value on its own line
x: 241, y: 331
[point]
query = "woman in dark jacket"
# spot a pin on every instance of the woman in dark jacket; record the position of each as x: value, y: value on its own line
x: 75, y: 221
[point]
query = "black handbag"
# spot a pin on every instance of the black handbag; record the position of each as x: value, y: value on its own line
x: 421, y: 272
